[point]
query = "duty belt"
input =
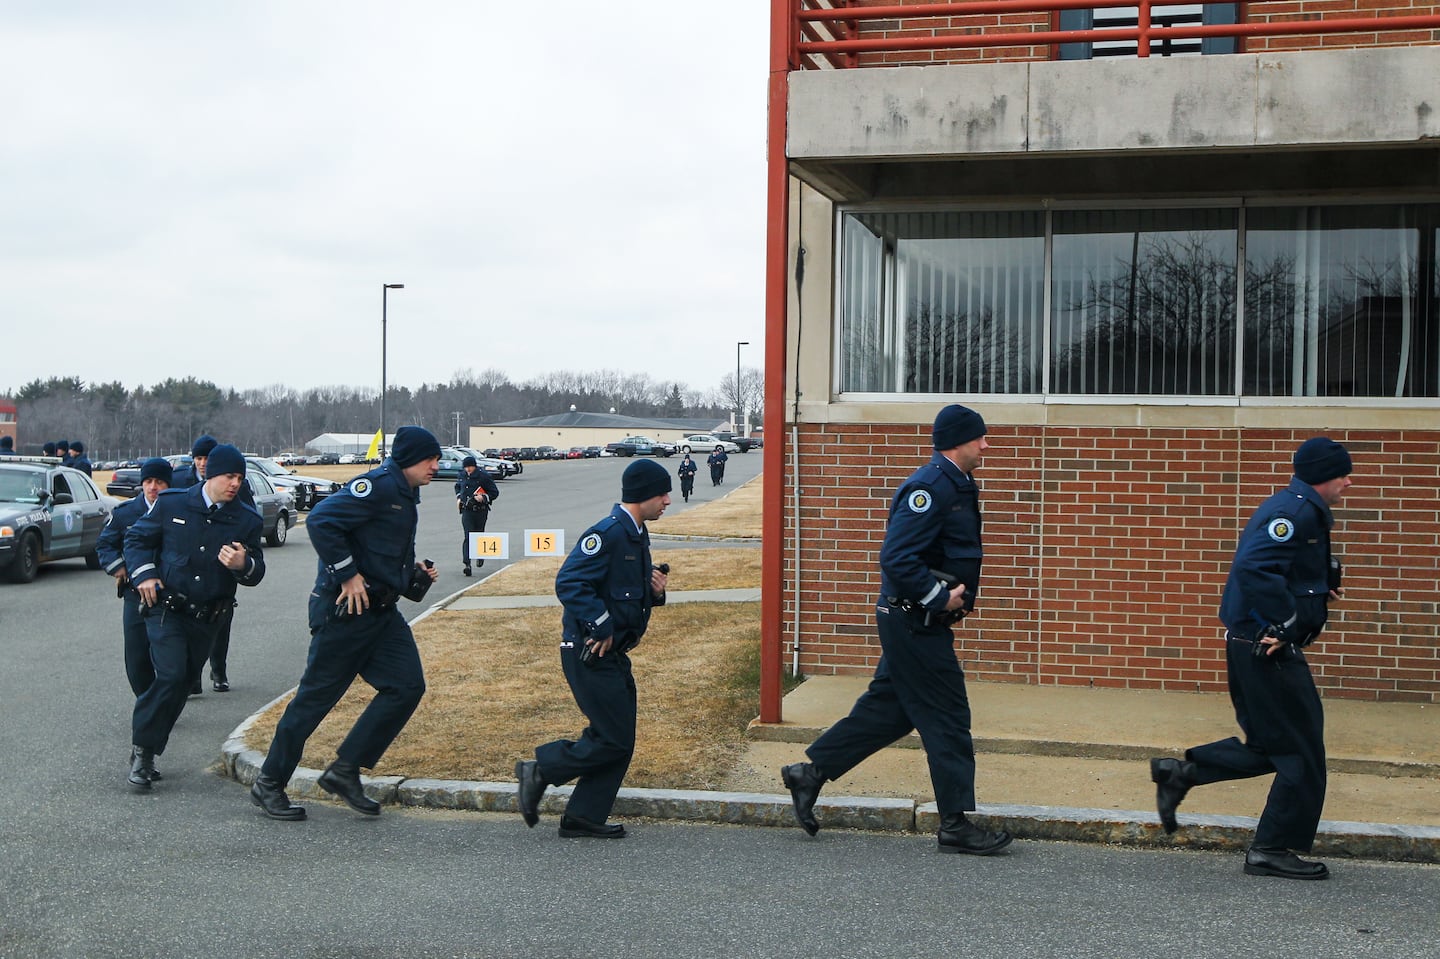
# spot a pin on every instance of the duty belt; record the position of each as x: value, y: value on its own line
x: 926, y: 617
x: 206, y: 612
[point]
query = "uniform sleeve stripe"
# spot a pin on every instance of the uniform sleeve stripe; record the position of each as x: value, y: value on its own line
x: 143, y: 569
x: 343, y: 563
x: 939, y: 587
x: 115, y: 565
x: 603, y: 617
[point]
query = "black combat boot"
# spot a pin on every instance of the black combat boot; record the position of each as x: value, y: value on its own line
x: 343, y: 780
x: 270, y: 796
x: 142, y: 768
x: 804, y: 781
x: 531, y: 786
x: 1173, y: 779
x: 958, y: 834
x: 1282, y: 863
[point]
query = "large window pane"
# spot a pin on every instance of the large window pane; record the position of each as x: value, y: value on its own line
x: 1341, y: 301
x: 1143, y: 302
x: 941, y: 302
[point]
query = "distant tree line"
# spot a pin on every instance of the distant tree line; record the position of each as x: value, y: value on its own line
x: 119, y: 423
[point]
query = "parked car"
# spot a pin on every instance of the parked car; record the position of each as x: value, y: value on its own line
x: 48, y: 512
x: 498, y: 469
x: 527, y: 453
x: 575, y: 453
x: 449, y: 466
x: 326, y: 459
x: 706, y: 442
x: 746, y: 443
x: 124, y: 482
x: 307, y: 490
x: 591, y: 452
x: 640, y: 446
x: 348, y: 458
x: 275, y: 506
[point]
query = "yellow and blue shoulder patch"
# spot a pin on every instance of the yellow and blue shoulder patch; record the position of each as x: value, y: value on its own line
x: 361, y: 487
x: 1281, y: 529
x: 919, y: 501
x: 591, y: 544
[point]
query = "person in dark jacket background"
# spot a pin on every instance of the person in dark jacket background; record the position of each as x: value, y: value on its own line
x: 687, y: 472
x: 7, y: 445
x: 78, y: 459
x: 1275, y: 603
x: 475, y: 492
x: 607, y: 586
x: 717, y: 462
x: 364, y: 538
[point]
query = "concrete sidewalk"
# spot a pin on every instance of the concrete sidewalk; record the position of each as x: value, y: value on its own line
x: 1054, y: 762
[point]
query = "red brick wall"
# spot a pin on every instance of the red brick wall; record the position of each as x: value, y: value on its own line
x: 1107, y: 549
x: 1254, y: 12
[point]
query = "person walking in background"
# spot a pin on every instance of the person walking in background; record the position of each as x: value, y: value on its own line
x: 154, y: 479
x: 929, y: 578
x: 687, y: 477
x: 185, y: 557
x: 607, y: 586
x: 194, y: 472
x: 1275, y: 603
x: 717, y: 461
x: 475, y: 492
x: 364, y: 536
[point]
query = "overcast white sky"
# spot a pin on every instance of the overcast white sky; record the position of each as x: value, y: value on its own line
x: 219, y: 189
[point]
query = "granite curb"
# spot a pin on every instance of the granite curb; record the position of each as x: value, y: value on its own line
x: 1341, y: 840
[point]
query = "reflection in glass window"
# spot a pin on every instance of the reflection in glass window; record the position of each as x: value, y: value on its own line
x: 941, y: 302
x: 1144, y: 302
x: 1337, y: 302
x: 1341, y: 301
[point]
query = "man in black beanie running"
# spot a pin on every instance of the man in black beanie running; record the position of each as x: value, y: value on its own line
x: 607, y: 586
x: 1275, y: 603
x: 929, y: 577
x: 364, y: 536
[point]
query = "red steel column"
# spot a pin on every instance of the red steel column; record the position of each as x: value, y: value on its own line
x: 777, y: 296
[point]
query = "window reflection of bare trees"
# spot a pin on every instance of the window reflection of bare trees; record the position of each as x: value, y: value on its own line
x: 961, y: 352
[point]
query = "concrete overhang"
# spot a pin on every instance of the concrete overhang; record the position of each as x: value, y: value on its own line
x: 911, y: 131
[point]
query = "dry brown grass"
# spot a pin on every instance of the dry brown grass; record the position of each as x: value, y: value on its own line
x: 496, y: 691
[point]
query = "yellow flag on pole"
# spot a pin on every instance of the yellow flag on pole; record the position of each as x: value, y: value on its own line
x: 374, y: 449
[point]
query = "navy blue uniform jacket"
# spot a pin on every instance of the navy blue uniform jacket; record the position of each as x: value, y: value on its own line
x: 179, y: 540
x: 367, y: 527
x: 604, y: 583
x: 934, y: 524
x: 1280, y: 574
x: 466, y: 486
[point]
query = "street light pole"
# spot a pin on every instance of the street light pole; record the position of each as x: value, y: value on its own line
x: 739, y: 408
x: 385, y: 289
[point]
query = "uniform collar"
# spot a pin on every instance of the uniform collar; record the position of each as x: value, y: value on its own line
x: 620, y: 512
x: 948, y: 468
x: 1304, y: 490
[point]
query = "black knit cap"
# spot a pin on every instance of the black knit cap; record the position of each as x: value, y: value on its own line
x: 7, y: 442
x: 642, y: 480
x: 48, y: 449
x: 77, y: 447
x: 413, y: 444
x: 62, y: 445
x: 204, y: 443
x: 1320, y: 459
x: 156, y: 467
x: 224, y: 459
x: 955, y: 426
x: 469, y: 461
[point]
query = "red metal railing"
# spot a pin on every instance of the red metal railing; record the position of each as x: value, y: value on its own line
x: 834, y: 32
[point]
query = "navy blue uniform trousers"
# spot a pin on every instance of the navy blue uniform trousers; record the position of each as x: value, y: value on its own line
x: 178, y: 647
x: 605, y: 692
x: 138, y: 668
x: 380, y: 649
x: 1279, y: 710
x: 918, y: 685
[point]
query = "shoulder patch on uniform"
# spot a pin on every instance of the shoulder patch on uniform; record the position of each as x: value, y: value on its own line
x: 591, y: 544
x: 1281, y: 529
x: 361, y: 487
x: 919, y: 501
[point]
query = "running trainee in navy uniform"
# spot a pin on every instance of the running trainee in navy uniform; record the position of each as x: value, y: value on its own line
x: 364, y: 538
x: 929, y: 578
x: 475, y: 493
x: 185, y: 557
x: 1275, y: 603
x: 155, y: 476
x: 607, y: 587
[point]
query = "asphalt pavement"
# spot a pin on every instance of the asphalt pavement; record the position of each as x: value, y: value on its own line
x: 192, y: 869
